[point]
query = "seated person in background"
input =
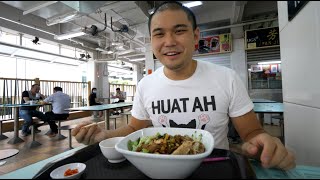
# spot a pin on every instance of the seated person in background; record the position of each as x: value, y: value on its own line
x: 60, y: 101
x: 93, y: 100
x: 27, y: 112
x: 120, y: 95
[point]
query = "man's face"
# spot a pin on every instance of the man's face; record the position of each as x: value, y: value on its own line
x: 35, y: 89
x: 172, y: 38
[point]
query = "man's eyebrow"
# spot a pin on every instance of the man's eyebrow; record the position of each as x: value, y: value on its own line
x: 157, y: 29
x: 180, y: 25
x: 175, y: 27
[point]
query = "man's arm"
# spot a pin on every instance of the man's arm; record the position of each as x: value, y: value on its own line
x: 94, y: 134
x: 25, y: 96
x: 47, y: 100
x: 247, y: 125
x: 260, y: 145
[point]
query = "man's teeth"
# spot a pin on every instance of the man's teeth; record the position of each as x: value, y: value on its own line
x: 171, y: 54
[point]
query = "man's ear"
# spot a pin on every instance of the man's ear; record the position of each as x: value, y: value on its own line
x: 196, y: 35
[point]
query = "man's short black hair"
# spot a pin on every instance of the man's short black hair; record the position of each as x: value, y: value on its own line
x: 34, y: 85
x: 118, y: 89
x: 173, y: 5
x: 57, y: 88
x: 93, y: 89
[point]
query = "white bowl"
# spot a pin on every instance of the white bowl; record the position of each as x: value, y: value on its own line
x: 107, y: 148
x: 58, y: 173
x: 162, y: 166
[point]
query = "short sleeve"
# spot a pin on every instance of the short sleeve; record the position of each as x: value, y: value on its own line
x: 48, y: 99
x: 240, y: 103
x: 25, y: 94
x: 138, y: 109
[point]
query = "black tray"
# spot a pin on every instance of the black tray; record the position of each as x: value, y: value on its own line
x: 98, y: 166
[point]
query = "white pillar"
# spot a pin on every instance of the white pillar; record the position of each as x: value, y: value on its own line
x: 149, y: 59
x: 238, y: 55
x: 91, y: 73
x: 102, y: 80
x: 137, y: 73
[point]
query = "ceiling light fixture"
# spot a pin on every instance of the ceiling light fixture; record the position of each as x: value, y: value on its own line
x: 151, y: 11
x: 69, y: 35
x: 105, y: 51
x: 270, y: 62
x: 63, y: 18
x: 138, y: 59
x: 192, y: 4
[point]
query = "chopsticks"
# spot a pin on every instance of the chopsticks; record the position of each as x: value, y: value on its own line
x: 89, y: 125
x: 215, y: 159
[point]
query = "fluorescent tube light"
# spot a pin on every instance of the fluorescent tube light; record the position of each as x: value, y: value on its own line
x: 270, y: 62
x: 138, y: 59
x: 104, y: 51
x: 192, y: 4
x: 69, y: 35
x: 151, y: 11
x: 63, y: 18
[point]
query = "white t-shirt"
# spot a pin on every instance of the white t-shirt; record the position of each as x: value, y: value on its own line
x: 203, y: 101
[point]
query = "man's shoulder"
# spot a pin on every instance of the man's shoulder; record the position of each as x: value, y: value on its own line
x: 25, y: 93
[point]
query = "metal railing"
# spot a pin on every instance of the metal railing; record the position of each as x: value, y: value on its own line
x: 11, y: 92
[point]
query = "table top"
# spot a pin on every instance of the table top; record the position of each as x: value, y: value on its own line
x: 101, y: 107
x: 268, y: 107
x: 97, y: 166
x: 21, y: 105
x: 6, y: 153
x: 263, y: 101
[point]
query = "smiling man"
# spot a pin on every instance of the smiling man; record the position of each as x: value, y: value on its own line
x: 187, y: 93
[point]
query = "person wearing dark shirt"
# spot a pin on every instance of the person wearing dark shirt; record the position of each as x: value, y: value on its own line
x: 93, y: 100
x: 27, y: 112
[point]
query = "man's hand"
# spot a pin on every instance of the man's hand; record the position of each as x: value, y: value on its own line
x: 88, y: 135
x: 270, y: 151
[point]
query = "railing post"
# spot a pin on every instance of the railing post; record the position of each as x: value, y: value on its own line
x: 89, y: 92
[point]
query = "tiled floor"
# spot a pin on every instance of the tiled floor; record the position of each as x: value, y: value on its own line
x: 53, y: 146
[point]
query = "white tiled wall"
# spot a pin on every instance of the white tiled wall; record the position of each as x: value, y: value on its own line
x: 302, y: 127
x: 300, y: 56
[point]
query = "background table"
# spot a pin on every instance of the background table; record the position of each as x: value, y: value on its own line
x: 16, y: 107
x: 263, y: 101
x: 103, y: 107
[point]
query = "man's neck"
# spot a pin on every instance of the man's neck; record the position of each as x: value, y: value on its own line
x: 181, y: 74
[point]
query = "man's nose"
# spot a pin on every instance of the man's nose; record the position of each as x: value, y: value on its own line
x: 170, y: 40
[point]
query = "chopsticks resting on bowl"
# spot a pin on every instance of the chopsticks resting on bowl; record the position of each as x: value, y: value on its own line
x: 215, y: 159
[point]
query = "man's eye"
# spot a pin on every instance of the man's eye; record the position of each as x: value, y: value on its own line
x: 180, y: 30
x: 158, y: 34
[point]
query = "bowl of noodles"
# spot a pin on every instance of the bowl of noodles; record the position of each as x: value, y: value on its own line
x: 167, y: 153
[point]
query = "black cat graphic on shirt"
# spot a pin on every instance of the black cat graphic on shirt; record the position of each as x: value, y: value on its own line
x: 192, y: 124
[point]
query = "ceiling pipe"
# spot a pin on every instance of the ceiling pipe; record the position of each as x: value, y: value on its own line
x: 141, y: 45
x: 81, y: 43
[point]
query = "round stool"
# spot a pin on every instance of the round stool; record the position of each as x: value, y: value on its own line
x: 69, y: 128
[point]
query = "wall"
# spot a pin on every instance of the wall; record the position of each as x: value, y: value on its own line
x: 238, y: 55
x: 300, y: 55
